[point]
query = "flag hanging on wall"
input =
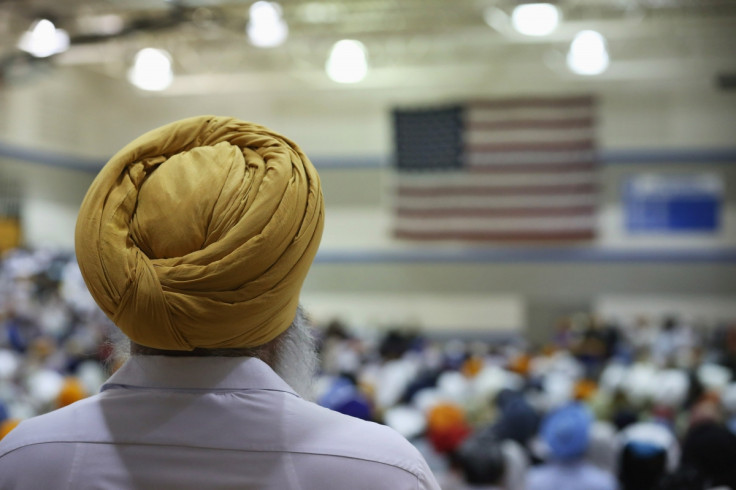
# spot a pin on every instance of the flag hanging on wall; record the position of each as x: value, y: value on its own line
x: 514, y: 169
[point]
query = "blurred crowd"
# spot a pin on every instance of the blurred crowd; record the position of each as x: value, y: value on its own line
x: 635, y: 404
x: 54, y: 341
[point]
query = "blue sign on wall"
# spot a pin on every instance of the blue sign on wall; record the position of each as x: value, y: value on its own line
x: 673, y: 203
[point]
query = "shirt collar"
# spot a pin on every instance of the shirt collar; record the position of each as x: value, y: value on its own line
x: 197, y: 373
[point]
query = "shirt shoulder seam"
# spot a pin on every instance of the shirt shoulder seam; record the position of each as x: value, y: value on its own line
x: 414, y: 472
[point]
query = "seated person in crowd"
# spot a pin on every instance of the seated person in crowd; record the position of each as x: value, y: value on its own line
x: 488, y: 463
x: 565, y: 433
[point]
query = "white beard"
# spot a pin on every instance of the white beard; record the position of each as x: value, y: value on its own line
x: 296, y: 357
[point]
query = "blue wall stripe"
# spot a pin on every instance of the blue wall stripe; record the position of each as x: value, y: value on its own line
x: 668, y: 156
x: 51, y: 158
x: 350, y: 163
x: 510, y: 255
x: 607, y: 157
x: 661, y: 156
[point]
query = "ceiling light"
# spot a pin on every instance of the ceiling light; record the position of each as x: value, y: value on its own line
x: 266, y: 28
x: 151, y: 70
x: 535, y: 19
x: 347, y: 62
x: 43, y: 39
x: 588, y: 54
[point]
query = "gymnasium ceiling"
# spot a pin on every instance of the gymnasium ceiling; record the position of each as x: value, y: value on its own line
x: 447, y: 40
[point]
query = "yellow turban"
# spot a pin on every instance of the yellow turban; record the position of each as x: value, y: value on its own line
x: 200, y: 234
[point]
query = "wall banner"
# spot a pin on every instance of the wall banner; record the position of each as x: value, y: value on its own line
x: 667, y: 203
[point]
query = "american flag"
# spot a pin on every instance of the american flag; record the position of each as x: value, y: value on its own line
x: 514, y: 169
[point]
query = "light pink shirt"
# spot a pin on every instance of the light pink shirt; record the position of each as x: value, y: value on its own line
x: 205, y: 423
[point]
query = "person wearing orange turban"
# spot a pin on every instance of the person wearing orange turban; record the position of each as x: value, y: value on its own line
x: 7, y: 425
x: 195, y: 239
x: 447, y: 427
x: 200, y: 234
x: 71, y: 391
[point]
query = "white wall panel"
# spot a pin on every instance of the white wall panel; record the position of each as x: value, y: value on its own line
x: 429, y: 311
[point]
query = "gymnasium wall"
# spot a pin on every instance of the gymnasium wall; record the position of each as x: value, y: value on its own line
x: 57, y: 131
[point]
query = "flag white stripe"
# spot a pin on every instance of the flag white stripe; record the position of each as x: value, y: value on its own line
x: 430, y: 203
x: 493, y: 115
x: 483, y: 159
x: 485, y: 136
x: 421, y: 180
x: 475, y: 225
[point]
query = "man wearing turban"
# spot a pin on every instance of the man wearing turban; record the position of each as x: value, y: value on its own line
x: 195, y: 240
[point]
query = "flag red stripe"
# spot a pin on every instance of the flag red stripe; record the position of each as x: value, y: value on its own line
x: 530, y: 168
x: 536, y: 190
x: 558, y: 235
x: 586, y: 122
x: 586, y: 144
x: 495, y: 212
x: 566, y: 102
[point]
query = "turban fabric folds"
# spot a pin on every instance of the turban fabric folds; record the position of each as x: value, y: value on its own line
x: 200, y: 234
